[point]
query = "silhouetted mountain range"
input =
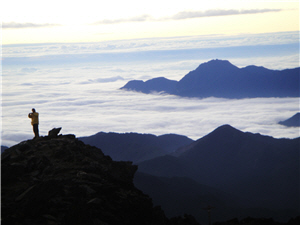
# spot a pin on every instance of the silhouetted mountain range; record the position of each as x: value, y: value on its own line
x: 240, y: 173
x: 178, y: 195
x: 60, y: 180
x: 136, y: 147
x: 3, y: 148
x: 261, y: 171
x: 219, y: 78
x: 294, y: 121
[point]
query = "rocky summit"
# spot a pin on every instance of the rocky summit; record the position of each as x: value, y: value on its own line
x: 60, y: 180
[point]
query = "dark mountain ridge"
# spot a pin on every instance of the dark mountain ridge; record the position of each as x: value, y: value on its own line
x: 136, y: 147
x: 3, y: 148
x: 159, y: 84
x: 60, y: 180
x: 181, y: 194
x: 262, y: 171
x: 219, y: 78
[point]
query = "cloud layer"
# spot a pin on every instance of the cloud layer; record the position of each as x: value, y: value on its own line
x: 15, y: 25
x: 150, y: 45
x: 76, y: 86
x: 187, y: 15
x: 146, y: 17
x: 217, y: 12
x: 86, y: 100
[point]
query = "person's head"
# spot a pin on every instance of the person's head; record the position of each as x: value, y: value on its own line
x: 33, y: 110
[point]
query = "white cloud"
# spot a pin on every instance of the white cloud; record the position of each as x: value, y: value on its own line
x: 15, y: 25
x: 83, y: 96
x: 108, y: 79
x: 140, y: 18
x: 187, y: 15
x: 29, y: 70
x: 150, y: 45
x: 217, y: 12
x: 87, y: 109
x: 102, y: 80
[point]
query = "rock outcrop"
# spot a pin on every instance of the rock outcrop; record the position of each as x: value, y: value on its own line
x: 60, y: 180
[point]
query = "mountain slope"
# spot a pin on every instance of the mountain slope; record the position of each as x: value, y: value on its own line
x: 61, y: 180
x: 159, y: 84
x: 216, y: 78
x: 260, y: 169
x: 179, y: 195
x: 136, y: 147
x: 294, y: 121
x: 3, y: 148
x: 219, y: 78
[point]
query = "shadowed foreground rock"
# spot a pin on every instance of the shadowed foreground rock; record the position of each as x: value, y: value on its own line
x: 60, y: 180
x: 259, y: 221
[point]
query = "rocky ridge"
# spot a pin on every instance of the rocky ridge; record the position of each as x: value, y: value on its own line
x: 60, y: 180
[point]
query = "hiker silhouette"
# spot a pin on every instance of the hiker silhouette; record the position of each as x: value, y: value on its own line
x: 34, y: 122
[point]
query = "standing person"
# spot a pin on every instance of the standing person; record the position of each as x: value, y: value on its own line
x: 34, y: 122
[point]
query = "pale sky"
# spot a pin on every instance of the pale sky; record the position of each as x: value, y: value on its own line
x: 59, y: 21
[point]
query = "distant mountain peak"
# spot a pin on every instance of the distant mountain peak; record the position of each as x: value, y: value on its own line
x: 221, y: 79
x: 294, y: 121
x: 224, y: 132
x: 216, y: 63
x: 226, y: 127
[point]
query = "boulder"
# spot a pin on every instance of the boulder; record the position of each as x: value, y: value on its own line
x: 54, y: 132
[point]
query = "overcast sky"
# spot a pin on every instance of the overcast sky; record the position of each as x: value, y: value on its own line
x: 34, y: 21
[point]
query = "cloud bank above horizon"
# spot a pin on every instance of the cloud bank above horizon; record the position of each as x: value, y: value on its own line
x: 274, y: 51
x: 187, y: 15
x: 15, y: 25
x: 93, y: 21
x: 147, y: 17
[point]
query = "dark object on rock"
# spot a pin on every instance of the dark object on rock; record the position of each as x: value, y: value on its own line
x: 294, y: 121
x: 65, y: 182
x: 54, y: 132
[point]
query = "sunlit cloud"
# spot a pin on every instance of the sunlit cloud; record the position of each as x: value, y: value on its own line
x: 217, y: 12
x: 15, y: 25
x: 141, y: 18
x: 187, y: 15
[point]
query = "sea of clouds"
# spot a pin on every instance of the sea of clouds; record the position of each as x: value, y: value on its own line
x: 76, y: 86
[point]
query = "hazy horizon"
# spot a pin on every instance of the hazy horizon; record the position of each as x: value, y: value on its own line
x: 93, y: 21
x: 69, y: 62
x: 79, y: 91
